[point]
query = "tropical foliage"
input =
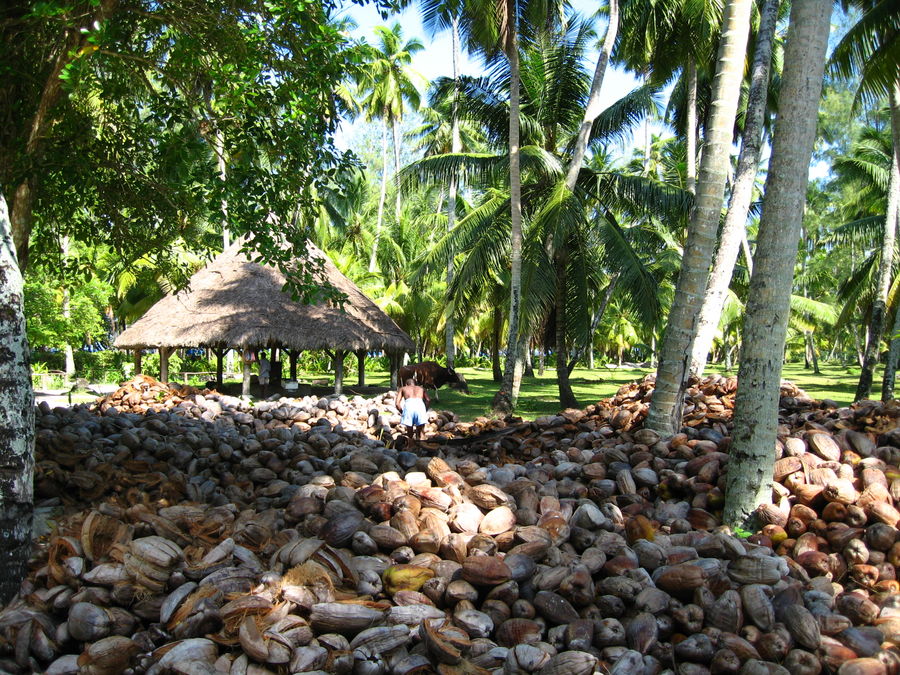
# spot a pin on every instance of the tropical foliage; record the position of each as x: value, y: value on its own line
x: 215, y: 142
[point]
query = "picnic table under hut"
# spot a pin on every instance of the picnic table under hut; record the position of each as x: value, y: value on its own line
x: 234, y: 303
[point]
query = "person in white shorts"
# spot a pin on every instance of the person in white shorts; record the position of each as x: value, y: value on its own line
x: 413, y: 401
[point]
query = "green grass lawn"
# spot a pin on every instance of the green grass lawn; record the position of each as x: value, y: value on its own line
x: 539, y: 394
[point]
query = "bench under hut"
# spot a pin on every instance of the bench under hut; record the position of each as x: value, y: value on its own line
x: 235, y: 303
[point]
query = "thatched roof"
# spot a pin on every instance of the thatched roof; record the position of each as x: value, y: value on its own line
x: 233, y: 302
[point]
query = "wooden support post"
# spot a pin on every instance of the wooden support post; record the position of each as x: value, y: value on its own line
x: 138, y: 353
x: 293, y: 354
x: 275, y: 375
x: 220, y: 353
x: 394, y: 360
x: 338, y: 371
x: 245, y: 369
x: 164, y: 353
x: 361, y: 367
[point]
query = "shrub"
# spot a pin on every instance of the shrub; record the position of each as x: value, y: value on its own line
x: 150, y: 365
x: 110, y: 366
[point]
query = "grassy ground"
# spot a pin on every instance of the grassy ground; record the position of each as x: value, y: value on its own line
x: 539, y: 395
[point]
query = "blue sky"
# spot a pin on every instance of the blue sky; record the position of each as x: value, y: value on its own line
x: 435, y: 60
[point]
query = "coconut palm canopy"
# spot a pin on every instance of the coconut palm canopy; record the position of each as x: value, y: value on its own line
x: 233, y: 302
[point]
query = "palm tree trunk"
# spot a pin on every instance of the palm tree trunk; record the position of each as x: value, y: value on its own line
x: 566, y: 396
x: 506, y: 398
x: 529, y: 362
x: 16, y: 422
x: 673, y: 371
x: 455, y: 147
x: 395, y: 129
x: 690, y: 130
x: 814, y: 357
x: 893, y: 212
x: 594, y: 105
x: 381, y: 198
x: 749, y: 479
x: 879, y: 307
x: 748, y: 256
x: 647, y: 144
x: 890, y: 367
x: 67, y: 313
x: 495, y: 344
x: 542, y: 360
x: 734, y: 229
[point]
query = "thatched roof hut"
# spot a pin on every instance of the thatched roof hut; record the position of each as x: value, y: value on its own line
x: 236, y: 303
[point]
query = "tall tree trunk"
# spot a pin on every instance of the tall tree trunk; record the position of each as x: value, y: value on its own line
x: 592, y: 109
x: 455, y: 147
x: 594, y: 105
x: 566, y: 396
x: 598, y: 316
x: 879, y: 307
x: 814, y: 357
x: 748, y: 256
x: 734, y: 229
x: 749, y: 480
x: 529, y: 362
x: 219, y: 149
x: 674, y: 362
x: 67, y: 313
x: 542, y: 360
x: 690, y: 131
x: 395, y: 130
x: 890, y: 367
x: 495, y: 344
x: 381, y: 198
x: 647, y: 143
x: 505, y: 399
x: 16, y: 420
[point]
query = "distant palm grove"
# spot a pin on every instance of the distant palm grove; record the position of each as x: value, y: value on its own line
x: 527, y: 218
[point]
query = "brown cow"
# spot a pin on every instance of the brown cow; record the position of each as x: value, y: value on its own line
x: 432, y: 375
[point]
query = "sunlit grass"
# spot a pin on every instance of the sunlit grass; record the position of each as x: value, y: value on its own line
x: 540, y: 396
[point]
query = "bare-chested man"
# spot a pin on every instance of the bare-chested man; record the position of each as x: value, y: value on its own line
x: 413, y: 401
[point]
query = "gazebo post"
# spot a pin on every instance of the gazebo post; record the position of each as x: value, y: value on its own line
x: 138, y: 369
x: 220, y: 353
x: 164, y: 363
x: 245, y: 369
x: 394, y: 360
x: 292, y: 355
x: 339, y: 371
x: 361, y: 367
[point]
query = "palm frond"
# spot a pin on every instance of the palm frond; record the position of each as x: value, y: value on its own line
x: 870, y: 50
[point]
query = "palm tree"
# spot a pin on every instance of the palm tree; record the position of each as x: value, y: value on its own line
x: 443, y: 133
x: 660, y: 38
x: 733, y: 230
x: 869, y: 50
x: 673, y: 371
x: 493, y: 29
x: 865, y: 176
x: 572, y: 236
x: 749, y: 480
x: 390, y: 84
x: 438, y: 15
